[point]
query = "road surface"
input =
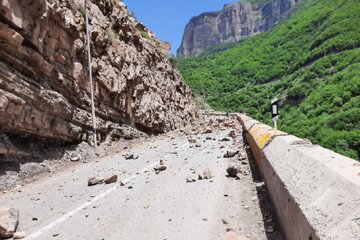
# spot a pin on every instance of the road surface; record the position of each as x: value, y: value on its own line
x: 152, y: 206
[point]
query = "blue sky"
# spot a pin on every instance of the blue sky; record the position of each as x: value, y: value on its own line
x: 168, y: 18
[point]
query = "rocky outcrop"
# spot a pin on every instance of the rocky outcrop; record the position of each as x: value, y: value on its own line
x: 44, y: 88
x: 233, y: 23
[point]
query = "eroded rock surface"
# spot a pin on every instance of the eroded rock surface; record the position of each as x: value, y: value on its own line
x: 44, y: 89
x: 233, y: 23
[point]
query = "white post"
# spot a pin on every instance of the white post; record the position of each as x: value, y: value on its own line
x: 90, y: 75
x: 275, y: 124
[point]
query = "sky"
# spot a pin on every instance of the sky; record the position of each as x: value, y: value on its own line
x: 168, y: 18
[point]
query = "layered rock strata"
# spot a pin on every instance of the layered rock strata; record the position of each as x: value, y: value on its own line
x: 44, y: 88
x: 234, y: 22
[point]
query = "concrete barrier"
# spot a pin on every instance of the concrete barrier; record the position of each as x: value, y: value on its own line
x: 315, y: 192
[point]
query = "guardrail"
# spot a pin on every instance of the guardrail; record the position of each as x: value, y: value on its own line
x: 315, y: 191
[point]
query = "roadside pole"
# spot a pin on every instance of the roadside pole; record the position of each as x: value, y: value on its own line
x: 90, y: 75
x: 275, y: 111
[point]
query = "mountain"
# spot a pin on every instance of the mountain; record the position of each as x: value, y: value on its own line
x: 44, y: 88
x: 311, y: 62
x: 234, y: 22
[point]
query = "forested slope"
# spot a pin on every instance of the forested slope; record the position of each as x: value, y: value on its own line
x: 310, y: 61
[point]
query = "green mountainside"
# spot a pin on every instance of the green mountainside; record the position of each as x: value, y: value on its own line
x: 311, y: 62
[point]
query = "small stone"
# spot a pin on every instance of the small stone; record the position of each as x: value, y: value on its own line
x: 224, y: 221
x: 130, y: 187
x: 122, y: 183
x: 112, y: 179
x: 35, y: 219
x: 208, y: 130
x: 232, y: 134
x: 19, y: 235
x: 75, y: 159
x: 9, y: 220
x: 160, y: 168
x: 130, y: 156
x: 230, y: 154
x: 191, y: 140
x: 190, y: 180
x: 233, y: 170
x: 94, y: 181
x: 161, y: 162
x: 269, y: 229
x: 225, y: 139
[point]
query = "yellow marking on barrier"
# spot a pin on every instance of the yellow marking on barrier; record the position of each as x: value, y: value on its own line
x: 262, y: 134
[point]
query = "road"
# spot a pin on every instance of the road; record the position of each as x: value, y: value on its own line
x: 151, y: 206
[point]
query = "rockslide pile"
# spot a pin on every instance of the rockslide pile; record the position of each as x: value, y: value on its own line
x: 44, y: 89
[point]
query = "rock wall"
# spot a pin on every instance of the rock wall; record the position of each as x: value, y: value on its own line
x: 233, y: 23
x: 44, y: 88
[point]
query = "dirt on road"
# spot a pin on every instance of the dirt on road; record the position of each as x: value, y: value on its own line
x: 174, y: 186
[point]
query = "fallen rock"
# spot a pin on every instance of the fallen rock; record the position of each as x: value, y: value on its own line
x: 233, y: 170
x: 232, y: 134
x: 160, y: 168
x: 161, y: 162
x: 190, y: 179
x: 205, y: 175
x: 19, y: 235
x: 94, y: 181
x: 9, y: 221
x: 191, y: 140
x: 231, y: 235
x: 225, y: 139
x: 208, y: 130
x: 112, y: 179
x: 75, y: 158
x: 230, y: 154
x: 130, y: 156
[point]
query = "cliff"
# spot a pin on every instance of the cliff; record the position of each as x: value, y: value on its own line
x: 44, y: 88
x: 233, y: 23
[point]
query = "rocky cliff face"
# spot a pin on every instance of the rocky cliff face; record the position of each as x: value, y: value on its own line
x: 44, y: 88
x: 233, y: 23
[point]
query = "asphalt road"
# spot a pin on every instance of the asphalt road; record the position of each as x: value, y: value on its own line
x: 150, y: 206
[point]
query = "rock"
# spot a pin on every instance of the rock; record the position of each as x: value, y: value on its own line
x: 208, y: 130
x: 232, y: 134
x: 94, y: 181
x: 161, y: 162
x: 9, y: 220
x: 231, y: 235
x: 122, y: 183
x: 208, y: 138
x: 198, y: 145
x: 136, y: 83
x: 225, y: 139
x: 205, y: 175
x: 112, y: 179
x: 75, y: 159
x: 233, y: 170
x: 224, y: 221
x: 191, y: 140
x: 230, y: 154
x: 130, y: 156
x: 269, y: 229
x: 19, y: 235
x: 190, y: 180
x: 160, y: 168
